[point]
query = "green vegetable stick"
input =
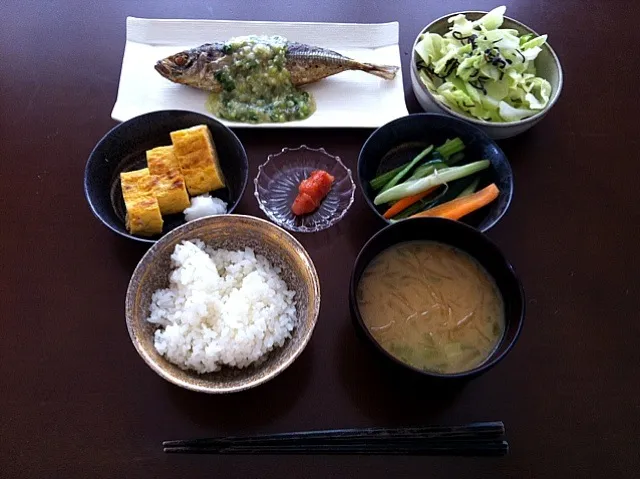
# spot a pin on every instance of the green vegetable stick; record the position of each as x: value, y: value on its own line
x: 437, y: 178
x: 427, y: 169
x: 394, y: 181
x: 427, y: 202
x: 381, y: 180
x: 447, y: 150
x: 451, y: 147
x: 469, y: 189
x: 456, y: 158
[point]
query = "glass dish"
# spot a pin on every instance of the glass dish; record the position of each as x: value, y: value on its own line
x: 276, y: 187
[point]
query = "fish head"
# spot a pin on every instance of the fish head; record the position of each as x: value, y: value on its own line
x: 176, y: 66
x: 194, y: 67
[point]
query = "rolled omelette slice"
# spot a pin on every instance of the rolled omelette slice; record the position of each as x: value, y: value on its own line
x: 196, y: 152
x: 168, y: 181
x: 143, y: 211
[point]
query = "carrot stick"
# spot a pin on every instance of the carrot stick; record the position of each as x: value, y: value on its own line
x: 404, y: 203
x: 456, y: 209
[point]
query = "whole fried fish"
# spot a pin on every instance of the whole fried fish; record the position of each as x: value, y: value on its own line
x: 305, y: 63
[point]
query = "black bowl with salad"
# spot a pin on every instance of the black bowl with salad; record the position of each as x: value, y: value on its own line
x: 431, y: 165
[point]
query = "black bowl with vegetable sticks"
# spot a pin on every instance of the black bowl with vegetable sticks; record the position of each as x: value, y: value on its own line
x: 430, y: 164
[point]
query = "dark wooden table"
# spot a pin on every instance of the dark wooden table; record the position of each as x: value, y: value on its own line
x: 76, y: 401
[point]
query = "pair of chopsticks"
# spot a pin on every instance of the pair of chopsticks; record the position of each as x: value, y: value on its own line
x: 477, y: 439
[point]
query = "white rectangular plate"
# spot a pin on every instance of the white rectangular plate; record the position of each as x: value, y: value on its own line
x: 349, y: 99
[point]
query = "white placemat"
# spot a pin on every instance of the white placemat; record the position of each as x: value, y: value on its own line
x: 349, y: 99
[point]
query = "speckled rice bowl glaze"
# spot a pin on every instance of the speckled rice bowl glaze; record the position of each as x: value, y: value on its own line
x: 232, y: 232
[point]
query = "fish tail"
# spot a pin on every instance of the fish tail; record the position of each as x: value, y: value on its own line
x: 388, y: 72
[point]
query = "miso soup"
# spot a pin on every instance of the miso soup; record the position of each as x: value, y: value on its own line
x: 432, y: 306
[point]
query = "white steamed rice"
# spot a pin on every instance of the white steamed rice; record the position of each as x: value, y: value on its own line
x: 221, y: 308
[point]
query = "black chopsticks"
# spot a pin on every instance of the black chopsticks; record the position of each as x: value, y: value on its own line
x: 477, y: 439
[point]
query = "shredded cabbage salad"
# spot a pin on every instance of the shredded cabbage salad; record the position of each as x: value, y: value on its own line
x: 481, y: 70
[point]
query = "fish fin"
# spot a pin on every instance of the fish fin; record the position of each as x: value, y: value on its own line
x: 388, y: 72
